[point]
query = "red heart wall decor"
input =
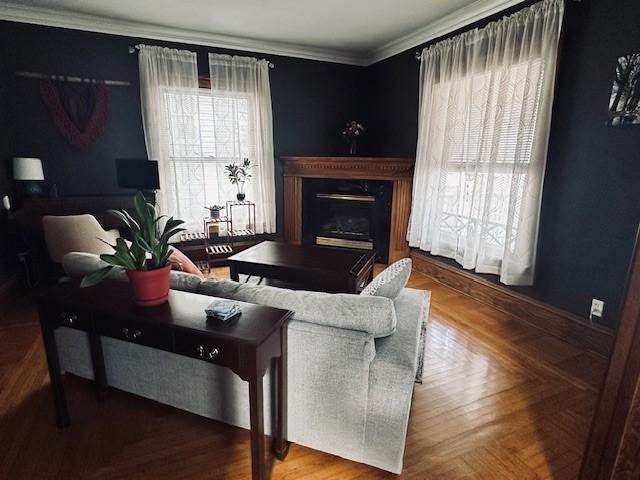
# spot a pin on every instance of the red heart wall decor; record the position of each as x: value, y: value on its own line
x: 79, y: 111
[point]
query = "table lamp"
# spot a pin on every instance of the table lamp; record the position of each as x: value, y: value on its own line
x: 29, y: 171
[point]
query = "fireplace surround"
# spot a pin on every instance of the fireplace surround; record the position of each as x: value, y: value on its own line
x: 348, y: 214
x: 359, y: 173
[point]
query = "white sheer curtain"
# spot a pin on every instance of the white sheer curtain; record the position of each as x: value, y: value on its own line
x: 241, y: 110
x: 171, y: 120
x: 485, y: 112
x: 194, y: 132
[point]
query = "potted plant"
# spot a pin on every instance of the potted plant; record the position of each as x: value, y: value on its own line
x: 214, y: 211
x: 352, y: 132
x: 238, y: 175
x: 146, y: 258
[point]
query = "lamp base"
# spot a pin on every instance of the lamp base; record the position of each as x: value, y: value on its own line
x: 32, y: 188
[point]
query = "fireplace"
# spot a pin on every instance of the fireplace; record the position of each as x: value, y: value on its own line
x: 354, y: 177
x: 348, y: 214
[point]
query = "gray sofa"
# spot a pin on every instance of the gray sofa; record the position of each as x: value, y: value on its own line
x: 352, y: 365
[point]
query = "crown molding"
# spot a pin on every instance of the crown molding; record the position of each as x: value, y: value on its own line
x: 460, y: 18
x: 77, y: 21
x: 93, y: 23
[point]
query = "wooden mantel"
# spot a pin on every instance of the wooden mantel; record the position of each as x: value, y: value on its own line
x: 397, y: 170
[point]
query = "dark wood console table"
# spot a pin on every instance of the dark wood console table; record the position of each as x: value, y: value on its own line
x: 247, y: 344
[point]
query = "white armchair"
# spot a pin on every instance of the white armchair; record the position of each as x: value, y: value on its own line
x: 76, y: 233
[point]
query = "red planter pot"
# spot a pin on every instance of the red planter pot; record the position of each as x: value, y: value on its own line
x: 151, y: 287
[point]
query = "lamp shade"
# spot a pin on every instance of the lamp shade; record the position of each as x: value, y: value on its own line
x: 27, y: 169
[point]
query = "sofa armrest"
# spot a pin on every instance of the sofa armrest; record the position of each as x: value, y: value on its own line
x: 369, y: 314
x: 328, y: 402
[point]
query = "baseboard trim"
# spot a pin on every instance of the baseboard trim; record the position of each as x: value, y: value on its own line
x: 552, y: 320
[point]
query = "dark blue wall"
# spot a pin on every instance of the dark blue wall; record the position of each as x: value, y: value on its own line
x: 311, y: 101
x: 591, y: 201
x: 7, y: 259
x: 5, y: 146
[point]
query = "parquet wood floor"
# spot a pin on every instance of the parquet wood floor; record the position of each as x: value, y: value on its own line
x: 500, y: 400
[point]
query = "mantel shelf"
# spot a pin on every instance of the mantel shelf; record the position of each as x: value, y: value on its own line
x: 362, y: 168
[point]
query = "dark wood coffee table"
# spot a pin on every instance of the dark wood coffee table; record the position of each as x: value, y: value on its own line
x: 305, y: 267
x: 246, y: 344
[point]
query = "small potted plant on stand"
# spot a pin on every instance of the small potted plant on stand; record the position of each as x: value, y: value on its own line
x: 214, y: 211
x: 238, y: 175
x: 146, y: 258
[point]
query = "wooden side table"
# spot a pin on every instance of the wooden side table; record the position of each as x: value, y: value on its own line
x: 305, y: 266
x: 246, y: 345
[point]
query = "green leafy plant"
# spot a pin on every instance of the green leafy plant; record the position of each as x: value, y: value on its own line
x: 149, y: 248
x: 239, y: 173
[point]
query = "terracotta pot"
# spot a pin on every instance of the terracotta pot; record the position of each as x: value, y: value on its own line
x: 151, y: 287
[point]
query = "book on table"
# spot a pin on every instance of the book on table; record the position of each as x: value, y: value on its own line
x: 222, y: 310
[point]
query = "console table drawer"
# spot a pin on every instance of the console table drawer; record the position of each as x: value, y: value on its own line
x: 69, y: 318
x: 206, y: 349
x: 136, y: 332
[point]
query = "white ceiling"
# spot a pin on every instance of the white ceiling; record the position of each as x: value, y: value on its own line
x: 352, y: 31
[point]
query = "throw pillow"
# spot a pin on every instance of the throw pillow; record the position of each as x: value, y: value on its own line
x: 391, y: 281
x: 179, y: 261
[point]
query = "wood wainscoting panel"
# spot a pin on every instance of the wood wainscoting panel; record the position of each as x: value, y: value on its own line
x: 552, y: 320
x: 400, y: 212
x: 293, y: 210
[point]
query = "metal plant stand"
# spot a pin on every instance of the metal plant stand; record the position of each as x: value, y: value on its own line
x: 220, y: 234
x: 250, y: 227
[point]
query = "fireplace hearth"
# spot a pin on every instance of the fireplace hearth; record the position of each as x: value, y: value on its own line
x: 348, y: 214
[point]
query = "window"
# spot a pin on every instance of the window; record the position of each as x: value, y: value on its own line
x: 194, y: 132
x: 205, y: 133
x: 485, y: 115
x: 490, y: 157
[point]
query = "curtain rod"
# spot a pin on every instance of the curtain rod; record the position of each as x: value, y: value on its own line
x: 418, y: 55
x: 66, y: 78
x: 133, y: 48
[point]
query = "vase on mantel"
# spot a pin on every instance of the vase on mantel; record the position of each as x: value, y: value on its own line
x: 352, y: 131
x: 353, y: 147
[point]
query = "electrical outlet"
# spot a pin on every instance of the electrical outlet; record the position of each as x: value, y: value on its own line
x: 597, y: 307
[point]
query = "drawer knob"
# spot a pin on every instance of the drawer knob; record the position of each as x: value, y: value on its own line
x: 207, y: 353
x: 129, y: 335
x: 68, y: 318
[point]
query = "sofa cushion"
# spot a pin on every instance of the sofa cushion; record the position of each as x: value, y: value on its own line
x: 79, y: 264
x: 391, y: 281
x: 374, y: 315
